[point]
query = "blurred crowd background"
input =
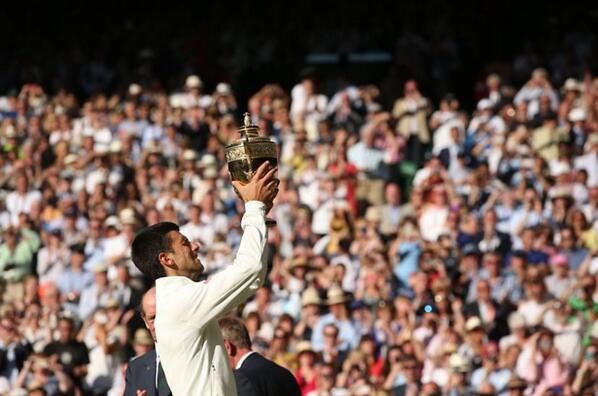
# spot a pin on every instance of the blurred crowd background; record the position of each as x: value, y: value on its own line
x: 438, y: 210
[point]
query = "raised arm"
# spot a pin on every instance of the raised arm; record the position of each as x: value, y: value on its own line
x: 216, y: 296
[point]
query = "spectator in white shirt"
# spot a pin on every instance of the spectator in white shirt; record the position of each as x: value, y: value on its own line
x: 21, y: 200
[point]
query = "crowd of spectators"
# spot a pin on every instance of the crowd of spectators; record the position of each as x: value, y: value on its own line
x: 420, y: 249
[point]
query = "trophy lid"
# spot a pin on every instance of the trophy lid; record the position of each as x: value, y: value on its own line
x: 248, y: 130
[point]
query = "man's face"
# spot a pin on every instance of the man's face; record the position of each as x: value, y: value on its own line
x: 149, y: 313
x: 65, y: 329
x: 184, y: 253
x: 326, y: 379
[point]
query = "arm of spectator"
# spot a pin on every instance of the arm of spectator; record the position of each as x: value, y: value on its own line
x: 584, y: 268
x: 32, y: 239
x: 395, y: 370
x: 527, y: 367
x: 65, y: 383
x: 20, y: 382
x: 580, y: 376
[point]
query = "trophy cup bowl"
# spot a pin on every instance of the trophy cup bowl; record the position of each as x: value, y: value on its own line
x: 245, y: 155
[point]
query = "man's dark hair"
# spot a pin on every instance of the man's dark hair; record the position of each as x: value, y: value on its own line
x: 148, y: 244
x: 234, y: 330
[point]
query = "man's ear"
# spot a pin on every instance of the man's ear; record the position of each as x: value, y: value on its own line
x: 166, y: 260
x: 231, y: 349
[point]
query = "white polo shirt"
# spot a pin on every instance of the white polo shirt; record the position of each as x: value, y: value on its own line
x: 187, y: 312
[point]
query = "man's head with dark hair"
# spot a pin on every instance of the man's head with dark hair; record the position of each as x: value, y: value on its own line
x: 161, y: 250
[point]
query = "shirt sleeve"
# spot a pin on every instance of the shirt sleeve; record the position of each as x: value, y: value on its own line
x: 210, y: 299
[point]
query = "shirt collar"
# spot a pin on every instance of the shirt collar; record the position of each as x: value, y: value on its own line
x: 243, y: 358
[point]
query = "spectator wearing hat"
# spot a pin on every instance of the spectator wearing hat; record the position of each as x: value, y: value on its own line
x: 570, y: 100
x: 254, y: 374
x: 309, y: 315
x: 516, y: 386
x: 142, y: 342
x: 224, y: 99
x: 339, y: 316
x: 560, y: 280
x: 306, y: 372
x: 194, y: 96
x: 475, y: 338
x: 518, y: 331
x: 189, y: 175
x: 458, y: 381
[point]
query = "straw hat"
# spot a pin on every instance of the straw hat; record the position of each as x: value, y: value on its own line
x: 127, y: 216
x: 459, y: 363
x: 99, y: 267
x: 336, y: 295
x: 143, y: 337
x: 473, y: 323
x: 193, y: 81
x: 304, y: 346
x: 298, y: 262
x: 310, y: 297
x: 516, y: 382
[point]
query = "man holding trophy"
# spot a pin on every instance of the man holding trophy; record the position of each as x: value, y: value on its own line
x: 189, y: 344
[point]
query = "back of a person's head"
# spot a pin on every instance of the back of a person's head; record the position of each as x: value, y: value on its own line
x: 147, y: 246
x: 234, y: 331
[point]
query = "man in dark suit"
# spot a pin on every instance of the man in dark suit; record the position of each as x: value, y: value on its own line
x: 141, y: 378
x: 254, y: 374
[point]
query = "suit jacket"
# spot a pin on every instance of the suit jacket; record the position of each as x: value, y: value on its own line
x: 141, y: 374
x: 259, y: 376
